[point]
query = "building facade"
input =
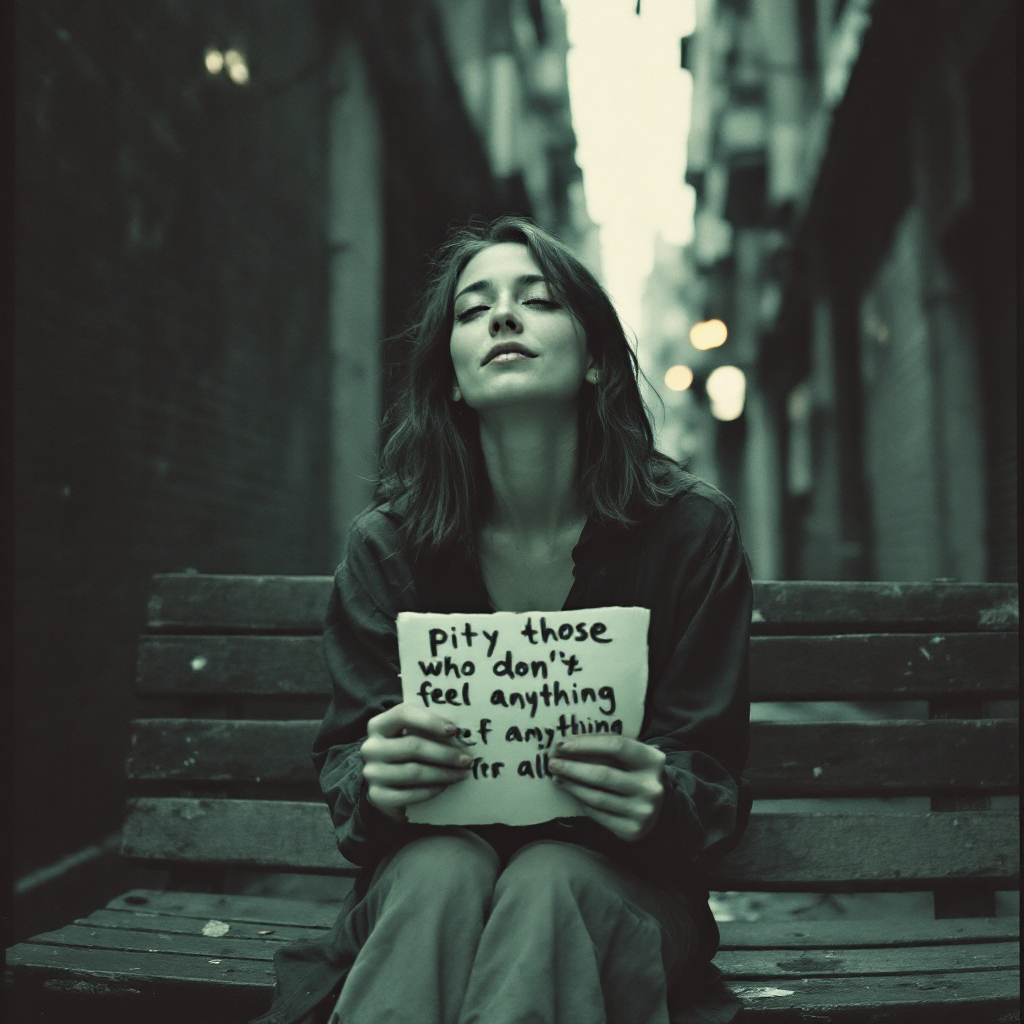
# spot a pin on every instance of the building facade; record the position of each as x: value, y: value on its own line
x: 854, y: 166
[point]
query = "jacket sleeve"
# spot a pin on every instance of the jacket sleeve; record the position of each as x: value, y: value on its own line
x: 361, y: 652
x: 700, y: 712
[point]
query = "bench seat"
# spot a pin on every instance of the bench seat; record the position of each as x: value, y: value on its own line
x: 158, y: 956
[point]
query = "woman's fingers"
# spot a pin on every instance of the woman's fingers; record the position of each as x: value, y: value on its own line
x: 610, y: 803
x: 395, y: 721
x: 410, y: 775
x: 412, y: 748
x: 408, y: 757
x: 622, y: 790
x: 627, y: 752
x: 599, y: 776
x: 628, y: 818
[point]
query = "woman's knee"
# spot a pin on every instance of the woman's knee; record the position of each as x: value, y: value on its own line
x: 548, y: 867
x: 451, y: 861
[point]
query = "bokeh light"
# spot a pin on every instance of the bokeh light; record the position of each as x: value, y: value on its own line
x: 678, y: 378
x: 727, y: 391
x: 214, y: 61
x: 238, y: 70
x: 708, y: 334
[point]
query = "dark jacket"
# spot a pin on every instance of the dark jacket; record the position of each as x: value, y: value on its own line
x: 684, y: 562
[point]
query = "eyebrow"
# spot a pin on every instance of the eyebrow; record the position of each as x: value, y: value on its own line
x: 484, y: 283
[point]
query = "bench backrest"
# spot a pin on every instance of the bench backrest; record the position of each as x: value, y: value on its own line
x: 230, y: 781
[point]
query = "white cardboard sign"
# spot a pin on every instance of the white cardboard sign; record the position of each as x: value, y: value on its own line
x: 517, y: 683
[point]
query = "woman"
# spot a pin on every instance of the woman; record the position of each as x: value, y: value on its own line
x: 521, y: 475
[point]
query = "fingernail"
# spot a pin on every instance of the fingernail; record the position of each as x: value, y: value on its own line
x: 555, y: 765
x: 465, y: 759
x: 564, y: 745
x: 452, y: 730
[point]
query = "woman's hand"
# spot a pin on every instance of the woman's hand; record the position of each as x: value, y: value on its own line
x: 622, y: 789
x: 408, y: 758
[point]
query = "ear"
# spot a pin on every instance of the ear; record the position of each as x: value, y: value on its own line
x: 456, y: 393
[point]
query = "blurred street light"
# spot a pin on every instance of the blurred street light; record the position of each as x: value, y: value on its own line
x: 727, y: 390
x: 216, y: 62
x: 708, y: 334
x: 678, y: 378
x: 238, y: 70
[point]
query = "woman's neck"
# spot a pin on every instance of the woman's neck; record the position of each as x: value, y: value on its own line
x: 531, y: 462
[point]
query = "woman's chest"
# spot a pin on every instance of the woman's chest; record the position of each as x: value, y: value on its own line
x: 520, y: 579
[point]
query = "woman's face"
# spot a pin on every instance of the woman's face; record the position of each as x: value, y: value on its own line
x: 512, y: 342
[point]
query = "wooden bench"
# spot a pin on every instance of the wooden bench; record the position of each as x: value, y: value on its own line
x: 229, y: 785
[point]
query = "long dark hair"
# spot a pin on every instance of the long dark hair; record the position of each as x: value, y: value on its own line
x: 432, y: 467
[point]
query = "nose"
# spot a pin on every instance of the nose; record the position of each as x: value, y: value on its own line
x: 504, y: 319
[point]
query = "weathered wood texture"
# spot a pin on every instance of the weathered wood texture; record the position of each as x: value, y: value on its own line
x: 296, y: 604
x: 264, y: 910
x: 983, y: 997
x: 813, y: 607
x: 278, y: 917
x: 884, y: 666
x: 874, y: 933
x: 830, y: 963
x: 145, y: 956
x: 168, y: 987
x: 883, y: 758
x: 58, y: 984
x: 195, y: 602
x: 786, y: 759
x: 817, y: 852
x: 283, y: 834
x: 873, y: 666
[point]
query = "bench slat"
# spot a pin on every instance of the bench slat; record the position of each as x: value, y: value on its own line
x: 188, y: 602
x: 856, y: 852
x: 57, y: 983
x: 889, y: 758
x: 118, y: 920
x: 264, y: 910
x: 884, y: 666
x: 820, y: 606
x: 84, y: 936
x: 990, y: 997
x: 827, y: 963
x: 878, y: 933
x: 816, y: 852
x: 196, y: 602
x: 849, y: 759
x: 287, y: 834
x: 872, y: 666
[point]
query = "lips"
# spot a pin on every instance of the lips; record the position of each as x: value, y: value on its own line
x: 504, y: 347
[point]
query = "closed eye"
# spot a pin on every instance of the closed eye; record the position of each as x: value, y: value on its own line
x: 469, y: 313
x: 543, y: 303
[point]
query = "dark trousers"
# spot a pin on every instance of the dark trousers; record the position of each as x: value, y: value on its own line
x: 562, y: 935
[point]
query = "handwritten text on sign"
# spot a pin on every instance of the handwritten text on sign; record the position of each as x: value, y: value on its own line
x: 517, y: 683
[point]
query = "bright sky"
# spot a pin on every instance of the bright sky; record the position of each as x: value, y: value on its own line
x: 631, y: 112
